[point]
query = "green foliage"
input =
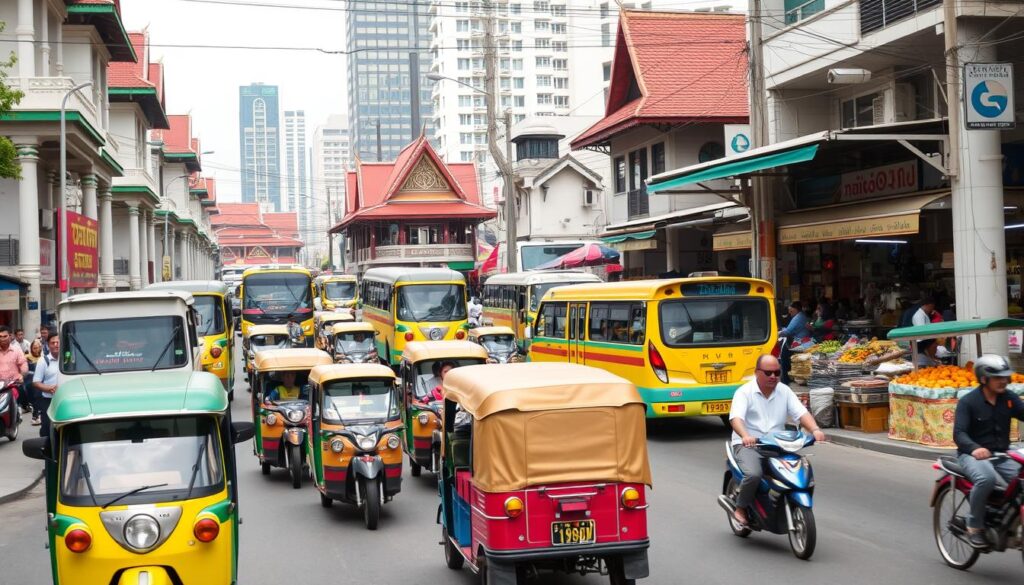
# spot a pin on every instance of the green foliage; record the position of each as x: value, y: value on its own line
x: 9, y: 167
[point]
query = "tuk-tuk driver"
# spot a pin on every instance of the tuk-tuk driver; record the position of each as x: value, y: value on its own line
x: 287, y: 389
x: 437, y: 393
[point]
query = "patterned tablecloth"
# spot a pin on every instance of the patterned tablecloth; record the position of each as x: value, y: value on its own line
x: 925, y: 415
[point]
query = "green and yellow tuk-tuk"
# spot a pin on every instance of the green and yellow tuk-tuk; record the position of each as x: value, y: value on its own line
x: 322, y: 323
x: 280, y: 407
x: 356, y: 420
x: 352, y: 343
x: 420, y: 373
x: 337, y: 292
x: 499, y: 342
x: 140, y: 480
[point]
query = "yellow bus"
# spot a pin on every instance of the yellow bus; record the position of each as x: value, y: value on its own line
x: 687, y: 343
x: 413, y: 304
x: 336, y: 292
x: 270, y: 296
x: 511, y: 300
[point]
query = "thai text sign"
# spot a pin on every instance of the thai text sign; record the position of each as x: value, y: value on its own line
x: 732, y: 241
x: 848, y: 230
x: 47, y: 261
x: 879, y: 181
x: 82, y: 235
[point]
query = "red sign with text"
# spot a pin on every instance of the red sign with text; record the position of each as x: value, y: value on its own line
x: 83, y: 252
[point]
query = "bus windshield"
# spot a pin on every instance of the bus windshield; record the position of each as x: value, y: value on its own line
x: 535, y: 255
x: 538, y: 291
x: 696, y: 322
x: 121, y: 345
x: 211, y: 315
x: 277, y: 294
x: 431, y: 302
x: 340, y: 291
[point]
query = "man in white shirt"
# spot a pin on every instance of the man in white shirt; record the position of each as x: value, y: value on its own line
x: 762, y: 406
x: 923, y: 315
x: 926, y: 348
x: 45, y: 381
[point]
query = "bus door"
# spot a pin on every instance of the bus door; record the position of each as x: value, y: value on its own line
x: 577, y: 332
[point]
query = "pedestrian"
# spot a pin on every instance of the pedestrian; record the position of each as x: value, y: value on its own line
x: 19, y: 338
x: 796, y: 329
x: 27, y: 400
x: 476, y: 311
x: 762, y: 406
x: 13, y: 365
x: 44, y: 333
x: 926, y: 348
x: 45, y: 382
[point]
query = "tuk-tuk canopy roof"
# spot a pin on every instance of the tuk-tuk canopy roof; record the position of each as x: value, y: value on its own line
x: 352, y: 326
x: 417, y: 351
x: 120, y: 297
x: 488, y: 389
x: 497, y: 330
x: 299, y: 358
x: 137, y: 394
x: 327, y: 317
x: 328, y: 373
x: 960, y: 327
x: 268, y: 330
x: 336, y: 278
x: 192, y: 286
x: 549, y: 423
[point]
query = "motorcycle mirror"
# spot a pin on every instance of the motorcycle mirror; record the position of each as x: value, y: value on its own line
x: 37, y: 448
x: 242, y: 431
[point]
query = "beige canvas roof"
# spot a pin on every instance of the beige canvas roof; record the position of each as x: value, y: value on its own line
x: 440, y: 350
x: 329, y: 317
x: 326, y: 373
x: 299, y: 358
x: 481, y: 331
x: 268, y: 330
x: 350, y: 326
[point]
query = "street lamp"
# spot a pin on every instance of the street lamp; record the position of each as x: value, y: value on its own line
x: 65, y: 283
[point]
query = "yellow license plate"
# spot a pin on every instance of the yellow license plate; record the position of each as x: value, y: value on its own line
x: 717, y: 377
x: 720, y: 407
x: 578, y: 532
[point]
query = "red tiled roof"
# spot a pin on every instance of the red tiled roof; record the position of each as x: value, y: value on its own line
x: 258, y: 241
x: 245, y: 261
x: 242, y: 224
x: 672, y: 68
x: 425, y: 210
x: 156, y: 77
x: 178, y: 138
x: 128, y: 74
x: 244, y: 230
x: 285, y: 223
x: 211, y: 192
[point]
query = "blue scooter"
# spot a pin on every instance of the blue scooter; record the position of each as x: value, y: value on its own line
x: 784, y: 498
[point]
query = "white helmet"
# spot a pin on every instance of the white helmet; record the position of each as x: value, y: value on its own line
x: 992, y: 366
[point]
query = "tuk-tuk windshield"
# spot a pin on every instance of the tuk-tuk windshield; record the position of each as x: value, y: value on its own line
x: 351, y: 401
x: 499, y: 343
x: 428, y: 375
x: 272, y: 341
x: 354, y: 342
x: 211, y: 315
x: 340, y: 291
x: 118, y: 345
x: 432, y: 302
x: 104, y: 460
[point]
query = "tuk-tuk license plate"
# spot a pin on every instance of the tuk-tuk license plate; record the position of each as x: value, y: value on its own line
x: 719, y: 407
x: 578, y: 532
x: 717, y: 377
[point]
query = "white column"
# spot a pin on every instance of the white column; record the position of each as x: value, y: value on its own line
x: 44, y: 40
x: 26, y: 33
x: 60, y: 49
x: 107, y: 279
x: 671, y: 250
x: 28, y: 238
x: 179, y: 256
x: 151, y: 239
x: 133, y: 247
x: 979, y: 243
x: 144, y: 248
x: 89, y: 204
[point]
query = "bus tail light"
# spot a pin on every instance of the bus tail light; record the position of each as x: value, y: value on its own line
x: 206, y: 529
x: 409, y: 336
x: 78, y: 540
x: 657, y: 363
x: 215, y: 352
x: 460, y: 334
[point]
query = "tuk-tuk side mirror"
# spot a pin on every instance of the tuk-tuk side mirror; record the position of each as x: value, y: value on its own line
x: 242, y: 431
x: 37, y: 448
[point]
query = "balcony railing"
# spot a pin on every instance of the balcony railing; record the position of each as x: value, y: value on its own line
x: 638, y: 203
x: 415, y: 253
x: 878, y: 14
x: 8, y: 250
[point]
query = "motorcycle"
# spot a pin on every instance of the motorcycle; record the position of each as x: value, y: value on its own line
x: 10, y: 414
x: 1003, y: 527
x: 784, y: 499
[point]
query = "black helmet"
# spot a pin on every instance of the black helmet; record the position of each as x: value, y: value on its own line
x: 992, y: 366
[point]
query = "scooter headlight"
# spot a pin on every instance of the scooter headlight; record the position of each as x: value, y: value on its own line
x: 294, y: 415
x: 393, y: 442
x: 424, y: 418
x: 141, y: 532
x: 366, y: 442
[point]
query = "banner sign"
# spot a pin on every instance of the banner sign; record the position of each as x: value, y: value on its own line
x: 988, y: 96
x: 879, y: 181
x: 82, y: 235
x: 848, y: 230
x: 47, y: 261
x: 732, y: 241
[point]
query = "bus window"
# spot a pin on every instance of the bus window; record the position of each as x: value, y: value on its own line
x: 714, y: 321
x: 617, y: 322
x: 552, y: 320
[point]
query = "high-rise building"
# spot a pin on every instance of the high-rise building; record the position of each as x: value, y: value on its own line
x: 296, y: 168
x: 331, y: 156
x: 389, y: 96
x: 259, y: 138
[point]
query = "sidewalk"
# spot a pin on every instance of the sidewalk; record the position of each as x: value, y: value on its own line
x: 18, y: 474
x: 883, y: 444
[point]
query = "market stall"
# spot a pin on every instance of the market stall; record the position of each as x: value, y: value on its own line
x: 922, y: 403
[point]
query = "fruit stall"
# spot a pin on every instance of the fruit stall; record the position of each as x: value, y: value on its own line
x: 922, y: 403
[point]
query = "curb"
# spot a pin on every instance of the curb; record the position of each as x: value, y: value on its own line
x: 890, y: 448
x: 20, y: 493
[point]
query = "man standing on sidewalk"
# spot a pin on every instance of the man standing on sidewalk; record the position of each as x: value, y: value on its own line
x: 13, y: 365
x: 45, y: 381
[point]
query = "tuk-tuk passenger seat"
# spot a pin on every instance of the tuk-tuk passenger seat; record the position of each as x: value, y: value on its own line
x: 460, y: 442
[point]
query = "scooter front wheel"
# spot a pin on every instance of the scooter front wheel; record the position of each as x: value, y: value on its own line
x: 731, y: 490
x: 371, y: 503
x: 804, y: 535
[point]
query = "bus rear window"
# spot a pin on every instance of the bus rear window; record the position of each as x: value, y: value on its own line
x: 700, y: 322
x: 121, y: 345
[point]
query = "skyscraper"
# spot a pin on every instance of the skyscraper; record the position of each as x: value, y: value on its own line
x: 259, y: 139
x: 295, y: 177
x: 388, y: 61
x: 331, y: 155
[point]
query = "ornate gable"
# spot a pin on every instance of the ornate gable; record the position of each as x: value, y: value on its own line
x: 425, y: 178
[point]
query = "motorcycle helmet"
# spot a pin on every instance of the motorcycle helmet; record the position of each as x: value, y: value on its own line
x: 991, y: 365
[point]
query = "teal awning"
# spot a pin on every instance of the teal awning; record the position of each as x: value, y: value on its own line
x: 964, y: 327
x: 463, y: 265
x: 729, y: 167
x: 646, y: 235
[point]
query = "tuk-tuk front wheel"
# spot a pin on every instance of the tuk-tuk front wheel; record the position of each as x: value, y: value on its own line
x: 452, y: 556
x: 295, y: 465
x: 415, y: 467
x: 371, y: 502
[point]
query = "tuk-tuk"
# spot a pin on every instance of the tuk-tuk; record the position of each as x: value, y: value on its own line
x: 356, y: 417
x: 322, y: 323
x: 337, y: 292
x: 140, y: 480
x: 262, y: 337
x: 544, y: 468
x: 420, y: 372
x: 500, y: 343
x: 280, y: 407
x: 352, y: 343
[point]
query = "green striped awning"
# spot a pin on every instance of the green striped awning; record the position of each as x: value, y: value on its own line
x: 730, y: 167
x: 645, y: 235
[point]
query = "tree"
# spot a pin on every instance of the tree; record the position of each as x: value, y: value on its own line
x: 9, y: 167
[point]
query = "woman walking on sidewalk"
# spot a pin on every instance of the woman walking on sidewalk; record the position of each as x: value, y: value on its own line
x: 35, y: 353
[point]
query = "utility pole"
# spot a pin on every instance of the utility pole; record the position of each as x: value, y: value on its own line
x: 414, y: 91
x: 950, y: 33
x: 501, y: 159
x: 760, y: 200
x: 330, y: 226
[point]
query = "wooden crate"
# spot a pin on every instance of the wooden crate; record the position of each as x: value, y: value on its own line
x: 867, y: 418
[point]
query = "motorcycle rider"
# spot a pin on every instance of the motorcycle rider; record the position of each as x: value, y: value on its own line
x: 760, y: 407
x: 980, y: 428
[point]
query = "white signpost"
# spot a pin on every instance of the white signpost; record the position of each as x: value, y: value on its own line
x: 988, y: 96
x: 737, y: 139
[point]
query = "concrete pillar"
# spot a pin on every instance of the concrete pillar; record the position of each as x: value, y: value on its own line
x: 26, y: 34
x: 107, y: 279
x: 151, y: 240
x: 133, y: 247
x: 89, y: 209
x: 28, y: 238
x: 44, y: 40
x: 179, y: 256
x: 60, y: 49
x: 671, y: 249
x: 144, y: 248
x: 979, y: 243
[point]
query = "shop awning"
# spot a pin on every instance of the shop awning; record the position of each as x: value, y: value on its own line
x: 864, y: 219
x: 947, y: 328
x: 464, y: 265
x: 644, y: 235
x: 645, y: 224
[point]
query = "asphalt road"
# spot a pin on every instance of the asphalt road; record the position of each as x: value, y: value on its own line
x: 874, y: 526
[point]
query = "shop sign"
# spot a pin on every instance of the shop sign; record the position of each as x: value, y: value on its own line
x: 636, y: 245
x: 9, y: 299
x: 47, y: 261
x: 988, y: 96
x: 1015, y: 337
x: 732, y: 241
x: 737, y: 139
x: 165, y: 272
x: 82, y: 251
x: 848, y: 230
x: 879, y: 181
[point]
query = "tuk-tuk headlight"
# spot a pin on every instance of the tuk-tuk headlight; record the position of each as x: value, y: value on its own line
x: 141, y: 532
x: 424, y: 418
x: 271, y: 419
x: 295, y: 415
x: 513, y: 507
x: 337, y: 445
x: 366, y: 442
x: 393, y: 442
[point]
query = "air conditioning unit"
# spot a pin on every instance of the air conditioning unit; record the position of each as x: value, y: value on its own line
x: 45, y: 219
x: 589, y: 197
